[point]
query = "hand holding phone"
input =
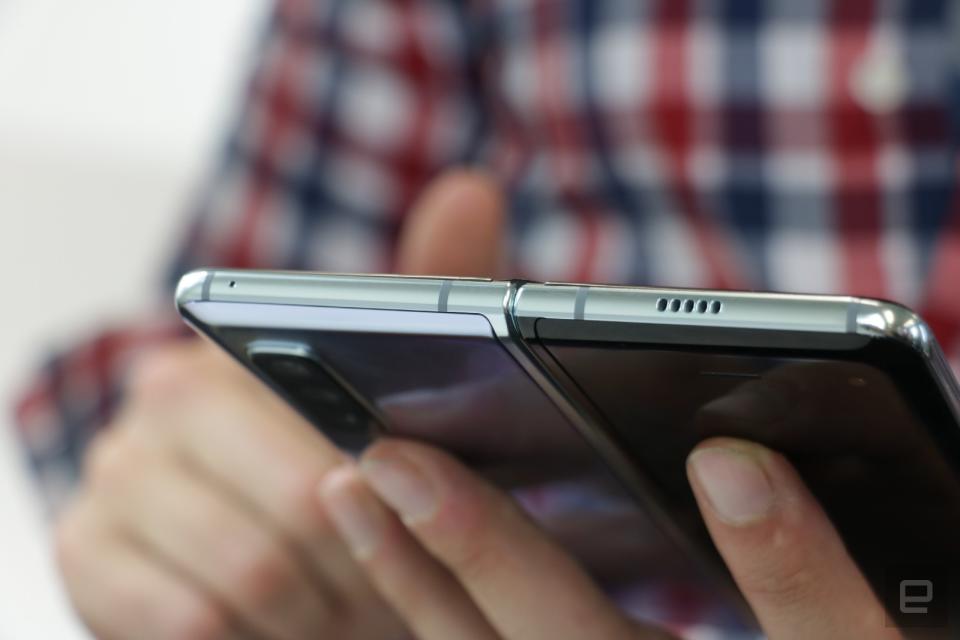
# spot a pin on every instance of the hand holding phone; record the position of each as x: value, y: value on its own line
x: 371, y: 347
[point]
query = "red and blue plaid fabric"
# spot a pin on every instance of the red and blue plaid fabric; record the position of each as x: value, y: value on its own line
x: 760, y: 144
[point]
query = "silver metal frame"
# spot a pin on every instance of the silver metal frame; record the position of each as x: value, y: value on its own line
x: 397, y: 293
x: 744, y: 310
x: 490, y: 298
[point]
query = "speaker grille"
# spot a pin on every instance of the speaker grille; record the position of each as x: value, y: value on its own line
x: 689, y: 305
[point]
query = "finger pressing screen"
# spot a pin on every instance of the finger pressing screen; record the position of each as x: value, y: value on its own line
x: 781, y: 548
x: 525, y: 585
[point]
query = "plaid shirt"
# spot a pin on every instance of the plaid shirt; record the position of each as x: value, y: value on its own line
x: 782, y: 145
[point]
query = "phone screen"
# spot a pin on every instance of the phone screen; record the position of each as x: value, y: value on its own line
x: 872, y: 448
x: 456, y: 386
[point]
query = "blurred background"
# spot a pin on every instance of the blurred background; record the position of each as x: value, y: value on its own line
x: 110, y: 113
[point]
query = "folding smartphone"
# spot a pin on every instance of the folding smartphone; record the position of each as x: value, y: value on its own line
x: 585, y: 400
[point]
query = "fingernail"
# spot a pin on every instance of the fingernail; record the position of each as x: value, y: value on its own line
x: 734, y: 483
x: 358, y: 525
x: 403, y: 487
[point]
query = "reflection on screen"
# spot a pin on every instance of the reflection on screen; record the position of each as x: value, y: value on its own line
x: 845, y: 426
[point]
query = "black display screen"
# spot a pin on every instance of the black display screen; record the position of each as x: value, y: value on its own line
x: 867, y: 429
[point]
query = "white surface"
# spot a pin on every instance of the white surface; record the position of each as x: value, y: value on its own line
x: 109, y: 112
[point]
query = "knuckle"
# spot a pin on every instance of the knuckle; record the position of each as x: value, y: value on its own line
x: 156, y: 373
x: 178, y: 373
x: 415, y: 604
x: 175, y: 369
x: 783, y: 580
x: 475, y: 557
x: 262, y: 575
x: 476, y: 554
x: 111, y: 458
x: 77, y: 547
x: 197, y: 619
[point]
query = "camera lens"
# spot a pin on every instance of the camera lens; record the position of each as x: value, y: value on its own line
x: 319, y: 396
x: 283, y: 366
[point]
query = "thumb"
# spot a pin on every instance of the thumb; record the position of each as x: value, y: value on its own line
x: 781, y: 548
x: 456, y: 228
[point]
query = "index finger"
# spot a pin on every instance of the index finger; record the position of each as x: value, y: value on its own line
x: 781, y: 548
x: 524, y: 584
